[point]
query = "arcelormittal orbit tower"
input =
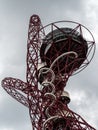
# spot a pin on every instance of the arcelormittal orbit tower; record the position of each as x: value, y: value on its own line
x: 54, y: 53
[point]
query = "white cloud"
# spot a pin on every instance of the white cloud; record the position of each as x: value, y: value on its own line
x: 7, y: 129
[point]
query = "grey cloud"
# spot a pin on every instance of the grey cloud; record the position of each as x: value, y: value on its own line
x: 13, y: 114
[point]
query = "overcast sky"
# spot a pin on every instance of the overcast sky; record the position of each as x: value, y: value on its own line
x: 14, y: 20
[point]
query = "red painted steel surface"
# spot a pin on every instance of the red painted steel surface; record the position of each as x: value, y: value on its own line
x: 42, y: 91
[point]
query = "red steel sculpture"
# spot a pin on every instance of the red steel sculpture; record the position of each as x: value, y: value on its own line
x: 54, y: 53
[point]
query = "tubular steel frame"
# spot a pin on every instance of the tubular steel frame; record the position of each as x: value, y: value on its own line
x: 30, y: 95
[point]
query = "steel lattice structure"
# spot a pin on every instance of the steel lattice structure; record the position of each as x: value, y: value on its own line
x: 54, y: 53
